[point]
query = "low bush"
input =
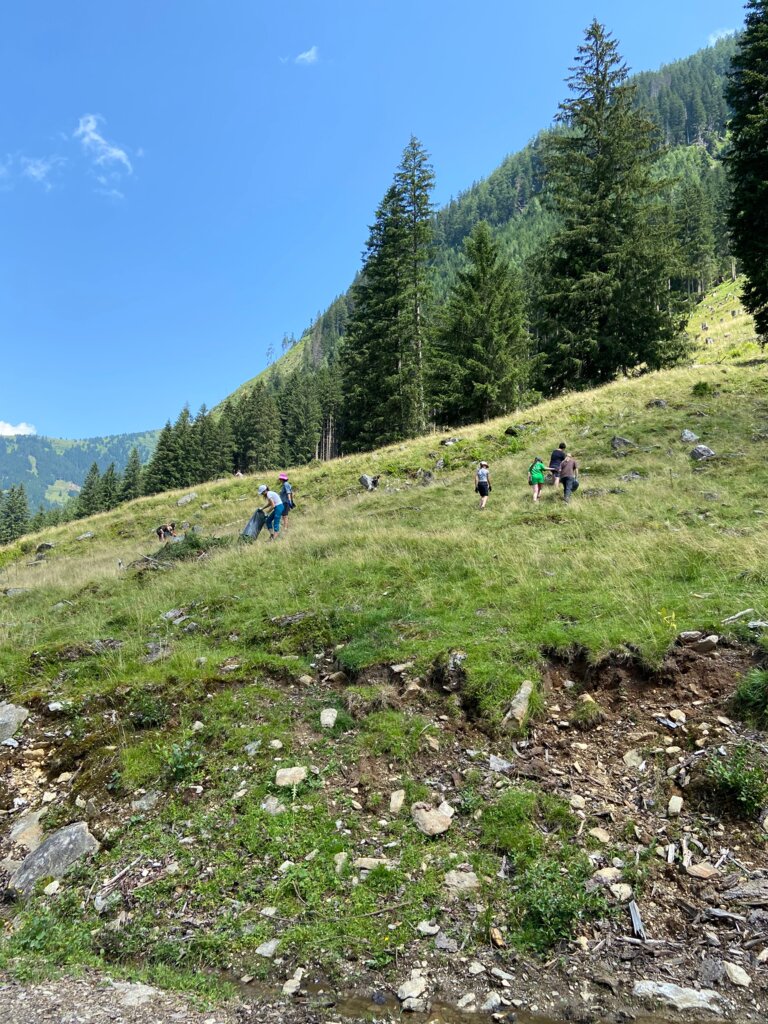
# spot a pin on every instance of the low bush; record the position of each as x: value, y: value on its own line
x: 750, y: 701
x: 738, y: 782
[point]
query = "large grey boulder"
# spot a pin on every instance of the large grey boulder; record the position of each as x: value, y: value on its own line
x: 679, y: 998
x: 701, y: 453
x: 12, y: 717
x: 54, y: 857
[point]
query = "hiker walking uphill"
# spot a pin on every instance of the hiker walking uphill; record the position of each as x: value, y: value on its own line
x: 273, y: 509
x: 556, y: 461
x: 483, y: 483
x: 286, y: 496
x: 536, y: 477
x: 569, y: 476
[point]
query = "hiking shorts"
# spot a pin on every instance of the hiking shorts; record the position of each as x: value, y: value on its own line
x: 483, y: 489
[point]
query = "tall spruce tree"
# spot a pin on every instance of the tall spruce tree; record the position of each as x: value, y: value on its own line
x: 109, y: 488
x: 747, y: 160
x: 14, y: 514
x: 383, y: 350
x: 604, y: 303
x: 480, y: 361
x: 89, y: 498
x: 131, y: 485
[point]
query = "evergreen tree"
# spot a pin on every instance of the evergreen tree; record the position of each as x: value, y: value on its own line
x: 14, y: 514
x: 109, y: 489
x: 158, y: 474
x: 383, y: 352
x: 481, y: 358
x: 89, y: 498
x: 301, y: 419
x: 131, y: 485
x: 262, y: 443
x: 604, y: 303
x: 694, y: 219
x: 747, y: 160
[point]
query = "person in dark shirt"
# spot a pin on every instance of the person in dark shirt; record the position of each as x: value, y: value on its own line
x: 556, y: 461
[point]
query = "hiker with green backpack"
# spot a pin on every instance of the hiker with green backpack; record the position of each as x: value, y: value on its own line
x: 536, y: 473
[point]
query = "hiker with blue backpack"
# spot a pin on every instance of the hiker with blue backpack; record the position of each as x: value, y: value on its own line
x: 286, y: 496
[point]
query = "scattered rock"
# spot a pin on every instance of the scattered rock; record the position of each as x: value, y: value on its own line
x: 601, y: 835
x: 290, y: 776
x: 499, y: 764
x: 293, y: 985
x: 701, y: 453
x: 705, y: 871
x: 54, y: 857
x: 459, y: 882
x: 446, y: 943
x: 492, y: 1003
x: 621, y: 442
x: 736, y: 975
x: 187, y: 498
x: 447, y: 442
x: 252, y: 749
x: 674, y: 807
x: 132, y: 994
x: 86, y: 536
x: 370, y: 863
x: 518, y: 709
x: 272, y: 805
x: 267, y: 949
x: 339, y: 861
x: 674, y: 995
x: 396, y: 801
x: 27, y: 831
x: 370, y: 483
x: 578, y: 803
x: 633, y: 759
x: 146, y: 802
x: 476, y: 968
x: 689, y: 437
x: 621, y: 891
x: 425, y: 928
x: 705, y: 645
x: 328, y: 718
x: 656, y: 403
x: 12, y: 717
x: 411, y: 992
x: 430, y: 821
x: 607, y: 876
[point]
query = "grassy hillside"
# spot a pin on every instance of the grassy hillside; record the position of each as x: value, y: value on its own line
x: 201, y: 707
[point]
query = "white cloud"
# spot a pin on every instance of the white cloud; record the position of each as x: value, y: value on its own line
x: 40, y: 168
x: 310, y: 56
x: 9, y: 430
x: 104, y: 154
x: 720, y: 33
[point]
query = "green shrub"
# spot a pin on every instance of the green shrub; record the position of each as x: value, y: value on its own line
x: 181, y: 761
x: 147, y: 710
x: 522, y: 820
x: 551, y: 900
x: 703, y: 389
x: 739, y: 781
x: 750, y: 701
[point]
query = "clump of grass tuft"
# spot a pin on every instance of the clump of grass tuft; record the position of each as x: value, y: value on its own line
x: 738, y: 782
x: 750, y: 701
x: 363, y: 700
x: 394, y: 734
x: 587, y: 714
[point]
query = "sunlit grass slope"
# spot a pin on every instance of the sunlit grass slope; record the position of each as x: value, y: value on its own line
x: 653, y: 543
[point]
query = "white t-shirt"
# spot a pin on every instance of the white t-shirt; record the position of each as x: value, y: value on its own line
x: 274, y: 498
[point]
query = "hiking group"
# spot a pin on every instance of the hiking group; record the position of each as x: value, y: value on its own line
x: 562, y: 469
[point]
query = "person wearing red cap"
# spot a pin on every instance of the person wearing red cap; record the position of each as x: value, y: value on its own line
x: 286, y: 493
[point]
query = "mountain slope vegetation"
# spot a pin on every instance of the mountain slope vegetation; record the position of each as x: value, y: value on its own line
x: 167, y: 688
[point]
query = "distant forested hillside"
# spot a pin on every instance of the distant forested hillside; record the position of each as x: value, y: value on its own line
x: 685, y: 98
x: 52, y: 469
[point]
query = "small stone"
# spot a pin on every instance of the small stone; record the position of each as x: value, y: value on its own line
x: 600, y: 835
x: 518, y: 709
x: 607, y: 876
x: 370, y: 863
x: 146, y: 802
x: 413, y: 988
x: 328, y: 718
x: 621, y: 891
x: 458, y: 882
x: 293, y: 985
x: 674, y: 995
x: 705, y: 870
x: 272, y: 805
x: 285, y: 867
x: 52, y: 888
x: 674, y: 807
x: 492, y: 1003
x: 476, y: 968
x: 275, y: 744
x: 446, y: 943
x: 396, y: 801
x: 339, y: 861
x: 737, y: 975
x: 701, y: 453
x: 267, y: 949
x: 306, y: 680
x: 499, y: 764
x: 252, y: 749
x: 704, y: 646
x: 578, y: 803
x: 425, y: 928
x: 197, y: 727
x: 268, y: 911
x: 429, y: 821
x: 12, y: 717
x: 290, y: 776
x: 467, y: 1000
x: 689, y: 437
x: 633, y: 759
x: 678, y: 716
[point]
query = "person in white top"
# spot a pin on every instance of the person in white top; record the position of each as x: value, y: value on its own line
x: 275, y: 513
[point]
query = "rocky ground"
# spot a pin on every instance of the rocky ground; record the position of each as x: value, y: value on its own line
x: 689, y: 890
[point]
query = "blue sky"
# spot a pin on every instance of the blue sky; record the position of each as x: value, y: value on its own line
x: 183, y: 182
